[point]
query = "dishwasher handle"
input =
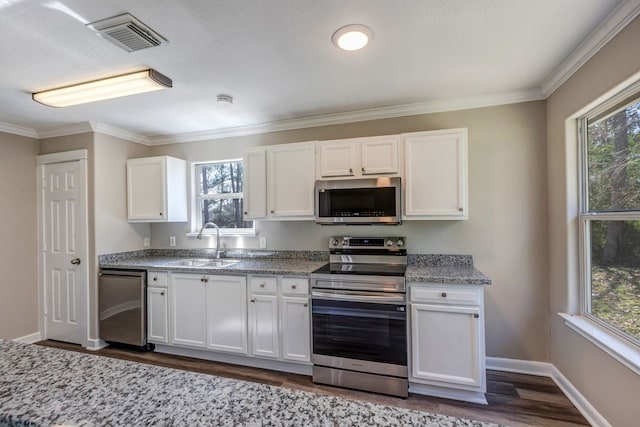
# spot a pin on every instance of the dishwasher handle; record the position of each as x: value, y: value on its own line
x: 134, y: 273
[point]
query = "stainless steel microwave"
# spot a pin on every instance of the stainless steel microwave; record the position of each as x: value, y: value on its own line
x: 366, y: 201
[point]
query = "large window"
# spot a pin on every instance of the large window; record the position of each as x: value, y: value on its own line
x: 610, y: 214
x: 219, y: 196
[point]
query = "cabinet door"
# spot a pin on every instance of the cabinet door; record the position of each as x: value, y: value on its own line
x: 338, y: 158
x: 379, y: 155
x: 255, y: 184
x: 445, y: 345
x: 291, y: 178
x: 436, y: 175
x: 263, y: 317
x: 227, y: 314
x: 296, y: 329
x: 146, y: 189
x: 157, y: 315
x: 188, y: 315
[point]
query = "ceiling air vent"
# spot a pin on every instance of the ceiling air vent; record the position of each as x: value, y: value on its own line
x: 127, y: 32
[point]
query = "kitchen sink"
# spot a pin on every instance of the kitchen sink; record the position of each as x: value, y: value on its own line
x: 202, y: 262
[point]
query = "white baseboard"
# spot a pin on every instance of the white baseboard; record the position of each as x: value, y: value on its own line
x: 545, y: 369
x: 93, y: 344
x: 30, y: 339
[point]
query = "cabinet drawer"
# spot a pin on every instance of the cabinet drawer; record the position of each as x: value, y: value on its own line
x: 444, y: 296
x: 158, y: 279
x: 263, y: 285
x: 295, y: 286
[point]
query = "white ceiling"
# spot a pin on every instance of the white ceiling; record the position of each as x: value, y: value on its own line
x: 276, y: 58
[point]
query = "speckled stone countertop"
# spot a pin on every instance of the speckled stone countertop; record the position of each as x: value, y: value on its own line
x: 42, y: 386
x: 293, y: 263
x: 445, y: 269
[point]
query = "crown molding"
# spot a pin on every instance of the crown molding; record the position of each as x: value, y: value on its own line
x: 106, y: 129
x: 18, y: 130
x: 72, y: 129
x: 353, y: 116
x: 608, y: 29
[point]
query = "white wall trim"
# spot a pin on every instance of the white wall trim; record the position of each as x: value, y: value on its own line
x: 619, y: 18
x: 354, y: 116
x: 545, y: 369
x: 105, y: 129
x: 65, y: 156
x: 72, y: 129
x: 96, y: 344
x: 30, y: 339
x: 18, y: 130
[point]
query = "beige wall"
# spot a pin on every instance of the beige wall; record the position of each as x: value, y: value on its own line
x: 506, y: 232
x: 18, y: 251
x: 113, y: 232
x: 608, y: 385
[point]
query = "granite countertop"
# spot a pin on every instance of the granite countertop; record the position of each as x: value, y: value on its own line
x: 284, y: 266
x: 445, y: 269
x: 42, y: 386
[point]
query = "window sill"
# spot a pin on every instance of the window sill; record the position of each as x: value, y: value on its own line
x: 622, y: 351
x: 225, y: 233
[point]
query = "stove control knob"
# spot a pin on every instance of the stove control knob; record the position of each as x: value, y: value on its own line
x: 335, y: 242
x: 389, y: 242
x: 345, y: 242
x: 400, y: 242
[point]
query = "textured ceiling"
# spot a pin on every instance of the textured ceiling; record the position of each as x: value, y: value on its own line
x: 276, y: 57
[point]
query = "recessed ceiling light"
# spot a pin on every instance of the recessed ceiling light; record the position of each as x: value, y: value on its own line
x: 352, y: 37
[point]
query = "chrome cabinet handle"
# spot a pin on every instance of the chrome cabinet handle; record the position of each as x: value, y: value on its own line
x: 75, y: 261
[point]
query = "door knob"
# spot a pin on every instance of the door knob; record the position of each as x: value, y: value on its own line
x: 75, y: 261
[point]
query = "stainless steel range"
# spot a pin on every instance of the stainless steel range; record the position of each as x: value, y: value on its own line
x: 359, y: 315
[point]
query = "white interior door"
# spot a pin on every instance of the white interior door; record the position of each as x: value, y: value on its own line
x: 64, y: 250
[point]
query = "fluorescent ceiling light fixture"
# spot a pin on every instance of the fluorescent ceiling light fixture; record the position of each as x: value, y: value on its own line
x: 352, y: 37
x: 107, y: 88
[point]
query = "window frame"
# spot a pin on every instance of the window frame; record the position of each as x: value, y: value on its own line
x: 196, y: 199
x: 586, y: 217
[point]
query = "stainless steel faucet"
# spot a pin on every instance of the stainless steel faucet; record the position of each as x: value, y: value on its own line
x: 207, y: 225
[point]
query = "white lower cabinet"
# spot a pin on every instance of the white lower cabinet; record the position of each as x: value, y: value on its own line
x: 209, y: 311
x: 279, y: 318
x: 227, y: 313
x: 157, y: 315
x: 447, y: 341
x: 296, y: 328
x: 188, y: 309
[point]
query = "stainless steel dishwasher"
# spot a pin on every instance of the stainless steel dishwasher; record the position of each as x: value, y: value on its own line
x: 122, y: 307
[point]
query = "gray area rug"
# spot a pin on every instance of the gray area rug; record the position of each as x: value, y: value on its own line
x: 41, y: 386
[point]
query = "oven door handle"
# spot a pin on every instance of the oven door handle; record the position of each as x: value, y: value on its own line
x: 371, y: 297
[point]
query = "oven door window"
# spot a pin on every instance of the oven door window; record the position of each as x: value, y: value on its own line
x: 363, y: 331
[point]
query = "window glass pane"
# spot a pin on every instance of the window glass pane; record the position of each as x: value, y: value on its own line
x: 225, y: 213
x: 613, y: 156
x: 615, y: 274
x: 219, y: 178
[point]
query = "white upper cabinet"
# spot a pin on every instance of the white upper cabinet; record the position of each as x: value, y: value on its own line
x: 157, y: 189
x: 358, y: 157
x: 280, y: 187
x: 255, y: 183
x: 436, y: 177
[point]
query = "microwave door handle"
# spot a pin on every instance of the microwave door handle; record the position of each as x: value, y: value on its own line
x: 358, y: 297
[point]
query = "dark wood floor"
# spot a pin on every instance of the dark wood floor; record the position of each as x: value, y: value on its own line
x: 514, y: 399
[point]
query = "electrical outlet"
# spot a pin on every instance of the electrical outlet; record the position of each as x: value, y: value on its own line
x: 147, y: 242
x: 172, y: 240
x: 263, y: 243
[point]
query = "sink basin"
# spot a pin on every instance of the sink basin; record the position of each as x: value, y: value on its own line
x: 202, y: 262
